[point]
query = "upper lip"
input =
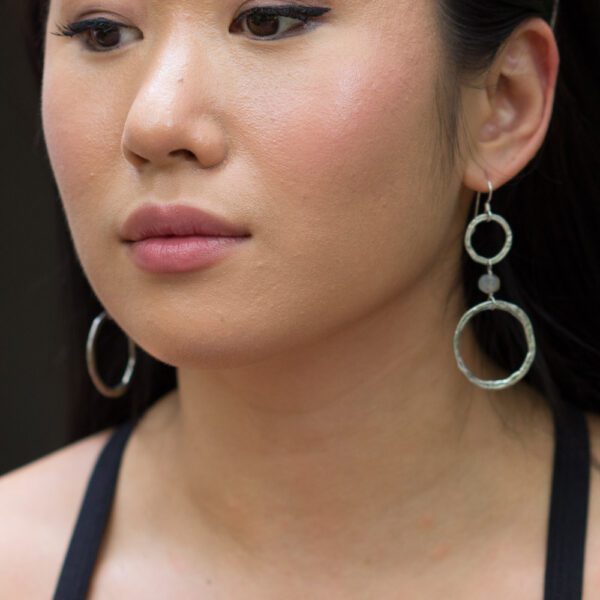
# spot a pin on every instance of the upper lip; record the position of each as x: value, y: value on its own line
x: 162, y: 220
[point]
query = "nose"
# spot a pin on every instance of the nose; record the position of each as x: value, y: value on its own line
x: 169, y: 119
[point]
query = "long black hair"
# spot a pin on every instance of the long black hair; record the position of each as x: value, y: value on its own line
x: 553, y: 207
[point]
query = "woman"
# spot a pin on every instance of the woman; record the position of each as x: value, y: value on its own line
x: 299, y: 215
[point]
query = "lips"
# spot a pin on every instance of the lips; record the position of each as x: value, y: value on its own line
x: 168, y: 220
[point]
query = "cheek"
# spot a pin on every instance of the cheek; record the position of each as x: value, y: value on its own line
x: 83, y: 142
x: 77, y: 130
x: 350, y: 116
x: 346, y: 148
x: 338, y: 164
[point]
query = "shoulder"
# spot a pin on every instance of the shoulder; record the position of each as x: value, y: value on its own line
x: 39, y: 503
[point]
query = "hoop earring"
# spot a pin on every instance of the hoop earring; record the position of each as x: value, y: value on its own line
x: 123, y: 386
x: 489, y: 283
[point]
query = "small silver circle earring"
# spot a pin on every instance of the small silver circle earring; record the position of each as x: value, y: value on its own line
x: 489, y: 284
x: 123, y: 386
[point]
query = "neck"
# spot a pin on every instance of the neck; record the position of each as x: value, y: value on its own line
x: 329, y: 448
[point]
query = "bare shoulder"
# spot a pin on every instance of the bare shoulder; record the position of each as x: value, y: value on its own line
x: 39, y: 503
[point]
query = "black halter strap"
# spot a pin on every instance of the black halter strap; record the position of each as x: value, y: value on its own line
x: 567, y: 525
x: 82, y: 553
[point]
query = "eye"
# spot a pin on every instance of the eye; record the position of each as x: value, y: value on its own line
x: 104, y: 35
x: 99, y: 35
x: 264, y: 21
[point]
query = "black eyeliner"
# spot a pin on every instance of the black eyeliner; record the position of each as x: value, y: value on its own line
x: 303, y: 13
x: 101, y: 24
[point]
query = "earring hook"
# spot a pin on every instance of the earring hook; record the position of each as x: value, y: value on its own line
x: 488, y: 206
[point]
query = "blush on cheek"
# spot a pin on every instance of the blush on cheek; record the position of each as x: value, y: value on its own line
x: 82, y: 131
x: 78, y: 156
x: 347, y: 144
x: 354, y: 122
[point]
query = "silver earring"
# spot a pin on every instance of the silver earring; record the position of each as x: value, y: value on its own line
x: 489, y: 283
x: 123, y: 386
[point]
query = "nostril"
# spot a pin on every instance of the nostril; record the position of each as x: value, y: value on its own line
x: 187, y: 154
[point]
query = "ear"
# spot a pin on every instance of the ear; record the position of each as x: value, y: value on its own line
x: 508, y: 117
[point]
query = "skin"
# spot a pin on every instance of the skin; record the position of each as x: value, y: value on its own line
x: 321, y: 441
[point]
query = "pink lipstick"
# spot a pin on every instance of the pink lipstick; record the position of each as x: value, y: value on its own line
x: 176, y: 238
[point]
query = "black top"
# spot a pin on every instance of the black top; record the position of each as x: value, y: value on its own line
x: 567, y: 521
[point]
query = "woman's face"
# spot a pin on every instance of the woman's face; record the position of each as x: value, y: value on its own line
x: 320, y: 140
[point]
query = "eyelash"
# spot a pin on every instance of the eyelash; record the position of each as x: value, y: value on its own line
x: 305, y: 14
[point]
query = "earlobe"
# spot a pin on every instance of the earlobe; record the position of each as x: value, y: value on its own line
x: 510, y: 119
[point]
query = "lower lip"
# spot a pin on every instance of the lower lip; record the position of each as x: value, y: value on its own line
x: 181, y: 254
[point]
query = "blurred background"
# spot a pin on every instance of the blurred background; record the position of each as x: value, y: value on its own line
x: 32, y: 369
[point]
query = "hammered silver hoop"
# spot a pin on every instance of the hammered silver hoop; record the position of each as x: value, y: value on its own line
x: 123, y: 386
x: 521, y: 316
x: 489, y: 284
x: 486, y: 218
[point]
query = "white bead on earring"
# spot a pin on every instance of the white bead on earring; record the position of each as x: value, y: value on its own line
x: 489, y: 284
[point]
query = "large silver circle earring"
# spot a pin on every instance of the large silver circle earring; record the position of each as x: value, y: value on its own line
x: 123, y: 386
x: 489, y: 283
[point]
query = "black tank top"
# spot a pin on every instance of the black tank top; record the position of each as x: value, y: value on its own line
x: 566, y: 534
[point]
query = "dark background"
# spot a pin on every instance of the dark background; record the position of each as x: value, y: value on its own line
x: 33, y: 372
